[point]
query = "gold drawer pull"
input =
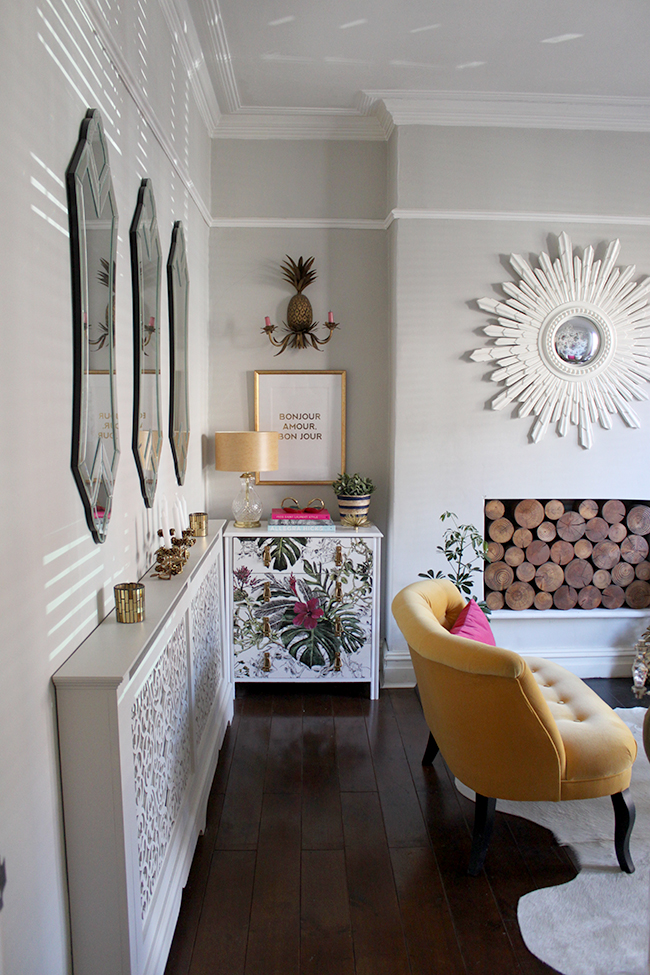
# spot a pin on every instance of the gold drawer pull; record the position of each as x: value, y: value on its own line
x: 338, y: 558
x: 338, y: 591
x: 338, y: 629
x: 266, y: 666
x: 267, y: 592
x: 337, y: 661
x: 267, y: 556
x: 266, y: 626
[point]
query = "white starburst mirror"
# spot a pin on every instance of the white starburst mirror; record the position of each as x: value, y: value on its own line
x: 572, y: 341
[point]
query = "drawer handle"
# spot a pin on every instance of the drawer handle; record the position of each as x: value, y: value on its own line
x: 267, y: 592
x: 267, y: 556
x: 338, y: 591
x: 266, y: 666
x: 338, y: 629
x: 266, y: 626
x: 338, y: 558
x: 337, y: 661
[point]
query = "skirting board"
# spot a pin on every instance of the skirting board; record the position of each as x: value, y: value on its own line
x: 599, y: 662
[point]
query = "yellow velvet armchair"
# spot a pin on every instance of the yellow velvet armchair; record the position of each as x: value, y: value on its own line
x: 510, y: 728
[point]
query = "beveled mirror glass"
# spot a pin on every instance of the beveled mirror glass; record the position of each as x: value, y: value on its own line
x: 92, y: 217
x: 146, y: 265
x: 178, y: 288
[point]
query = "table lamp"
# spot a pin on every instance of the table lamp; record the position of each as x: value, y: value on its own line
x: 248, y: 451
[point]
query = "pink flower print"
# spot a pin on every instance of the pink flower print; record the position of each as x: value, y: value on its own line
x: 242, y: 575
x: 307, y: 614
x: 292, y: 584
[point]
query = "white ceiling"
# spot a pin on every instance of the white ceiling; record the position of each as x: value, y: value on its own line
x: 337, y: 61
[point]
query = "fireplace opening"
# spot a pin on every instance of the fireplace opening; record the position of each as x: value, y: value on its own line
x: 567, y: 554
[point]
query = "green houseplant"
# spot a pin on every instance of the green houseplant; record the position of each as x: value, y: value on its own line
x: 353, y: 493
x: 465, y: 550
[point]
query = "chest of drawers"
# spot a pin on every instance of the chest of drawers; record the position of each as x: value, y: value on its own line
x: 303, y: 606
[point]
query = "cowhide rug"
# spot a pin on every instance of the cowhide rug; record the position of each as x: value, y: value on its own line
x: 598, y: 923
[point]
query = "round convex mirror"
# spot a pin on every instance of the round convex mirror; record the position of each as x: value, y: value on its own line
x: 577, y: 341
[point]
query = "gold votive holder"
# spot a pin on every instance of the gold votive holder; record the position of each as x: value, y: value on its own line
x: 199, y: 523
x: 129, y: 602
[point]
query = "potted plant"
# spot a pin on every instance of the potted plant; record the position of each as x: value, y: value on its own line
x: 353, y: 493
x: 465, y: 550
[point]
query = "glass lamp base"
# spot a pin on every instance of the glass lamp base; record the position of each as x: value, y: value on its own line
x: 247, y: 506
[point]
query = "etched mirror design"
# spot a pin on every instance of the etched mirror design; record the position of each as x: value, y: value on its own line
x: 572, y: 341
x: 146, y: 267
x: 92, y: 214
x: 178, y: 285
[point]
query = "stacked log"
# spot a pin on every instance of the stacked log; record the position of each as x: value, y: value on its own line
x: 559, y: 554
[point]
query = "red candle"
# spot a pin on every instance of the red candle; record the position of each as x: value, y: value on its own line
x: 330, y: 317
x: 267, y: 321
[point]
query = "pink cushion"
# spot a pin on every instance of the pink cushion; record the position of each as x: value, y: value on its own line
x: 472, y: 623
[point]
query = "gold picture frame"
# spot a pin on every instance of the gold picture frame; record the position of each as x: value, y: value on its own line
x: 307, y: 408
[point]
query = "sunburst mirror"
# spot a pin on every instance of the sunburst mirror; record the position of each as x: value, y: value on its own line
x: 572, y: 341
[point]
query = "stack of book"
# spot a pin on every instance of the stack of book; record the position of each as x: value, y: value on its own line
x: 314, y: 521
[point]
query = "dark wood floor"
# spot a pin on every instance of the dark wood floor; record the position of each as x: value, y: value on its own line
x: 330, y: 850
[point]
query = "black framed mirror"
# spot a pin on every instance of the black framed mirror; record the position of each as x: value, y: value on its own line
x: 146, y: 266
x: 92, y: 215
x: 178, y: 285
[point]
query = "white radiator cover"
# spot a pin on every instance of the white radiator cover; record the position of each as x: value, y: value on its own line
x: 142, y: 711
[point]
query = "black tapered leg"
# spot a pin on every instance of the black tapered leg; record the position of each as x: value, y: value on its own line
x: 483, y: 823
x: 431, y: 751
x: 625, y: 814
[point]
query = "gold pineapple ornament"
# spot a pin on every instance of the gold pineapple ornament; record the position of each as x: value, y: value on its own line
x: 300, y: 324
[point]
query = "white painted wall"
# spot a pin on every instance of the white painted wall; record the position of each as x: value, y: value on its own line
x: 466, y: 199
x: 56, y: 584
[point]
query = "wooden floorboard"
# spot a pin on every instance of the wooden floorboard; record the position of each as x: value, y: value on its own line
x: 330, y: 850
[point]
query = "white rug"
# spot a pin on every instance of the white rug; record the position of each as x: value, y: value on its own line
x: 599, y: 923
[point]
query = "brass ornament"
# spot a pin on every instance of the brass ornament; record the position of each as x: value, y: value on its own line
x: 171, y: 561
x: 355, y: 521
x: 299, y: 325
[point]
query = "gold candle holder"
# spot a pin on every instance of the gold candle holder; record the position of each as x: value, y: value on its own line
x: 129, y: 602
x: 199, y: 523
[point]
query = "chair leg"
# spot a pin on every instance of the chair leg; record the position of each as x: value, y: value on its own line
x: 483, y: 823
x: 624, y: 815
x: 431, y: 751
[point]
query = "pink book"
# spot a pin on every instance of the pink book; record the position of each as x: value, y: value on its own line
x: 305, y: 515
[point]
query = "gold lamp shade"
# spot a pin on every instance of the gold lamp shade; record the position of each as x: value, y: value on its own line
x: 248, y: 451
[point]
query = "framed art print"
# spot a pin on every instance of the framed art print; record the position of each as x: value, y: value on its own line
x: 307, y: 408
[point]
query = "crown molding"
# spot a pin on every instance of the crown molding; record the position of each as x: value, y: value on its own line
x: 181, y: 27
x: 376, y: 114
x: 98, y: 24
x: 512, y: 110
x: 222, y: 56
x: 284, y: 123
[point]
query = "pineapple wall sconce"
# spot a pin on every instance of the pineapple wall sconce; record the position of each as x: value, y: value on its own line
x: 299, y: 324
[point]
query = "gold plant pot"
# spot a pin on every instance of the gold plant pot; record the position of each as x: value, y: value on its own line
x: 129, y: 602
x: 199, y: 523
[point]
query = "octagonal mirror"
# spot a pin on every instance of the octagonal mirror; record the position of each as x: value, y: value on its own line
x: 93, y: 244
x: 146, y: 265
x: 178, y: 288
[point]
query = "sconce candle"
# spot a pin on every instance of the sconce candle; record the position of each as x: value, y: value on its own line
x: 330, y: 317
